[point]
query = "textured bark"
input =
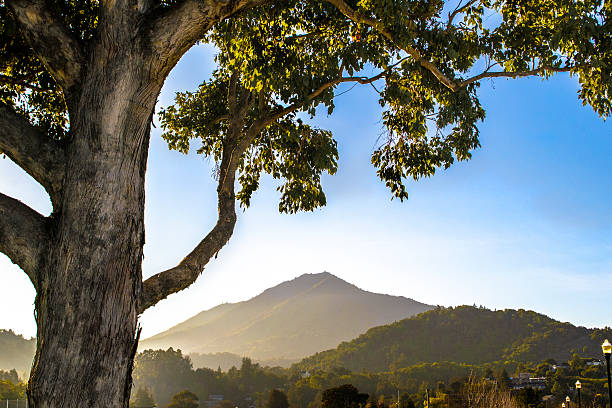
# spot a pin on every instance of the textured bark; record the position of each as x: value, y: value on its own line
x: 86, y: 305
x: 87, y: 263
x: 41, y: 157
x: 86, y: 258
x: 174, y: 31
x: 90, y: 281
x: 24, y: 235
x: 59, y: 51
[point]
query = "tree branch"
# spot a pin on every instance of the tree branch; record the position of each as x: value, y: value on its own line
x: 513, y: 74
x: 274, y: 116
x: 416, y: 55
x: 55, y: 46
x: 23, y: 235
x: 32, y: 150
x: 173, y: 31
x: 378, y: 26
x: 163, y: 284
x: 459, y: 9
x: 5, y: 79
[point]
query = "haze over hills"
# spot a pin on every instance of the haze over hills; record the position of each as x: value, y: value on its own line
x: 292, y: 320
x: 16, y: 352
x: 465, y: 335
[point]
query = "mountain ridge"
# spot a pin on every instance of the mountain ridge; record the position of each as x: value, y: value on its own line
x: 291, y: 320
x: 462, y: 334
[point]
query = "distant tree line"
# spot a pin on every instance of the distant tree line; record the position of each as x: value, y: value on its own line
x: 167, y: 373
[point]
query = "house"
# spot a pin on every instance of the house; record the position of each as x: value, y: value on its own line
x: 563, y: 366
x: 212, y: 401
x: 525, y: 380
x: 593, y: 362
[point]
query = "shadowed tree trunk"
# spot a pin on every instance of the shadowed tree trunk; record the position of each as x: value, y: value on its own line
x: 90, y: 276
x: 85, y: 259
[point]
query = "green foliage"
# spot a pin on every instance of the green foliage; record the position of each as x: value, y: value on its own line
x: 344, y: 396
x: 184, y: 399
x: 11, y: 376
x: 168, y: 372
x: 283, y: 53
x: 452, y: 382
x: 142, y: 399
x: 277, y: 399
x: 295, y: 54
x: 478, y: 336
x: 10, y: 390
x: 529, y: 398
x: 288, y: 149
x: 25, y: 84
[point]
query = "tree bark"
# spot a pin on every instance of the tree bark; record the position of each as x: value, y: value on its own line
x: 91, y: 280
x: 88, y: 273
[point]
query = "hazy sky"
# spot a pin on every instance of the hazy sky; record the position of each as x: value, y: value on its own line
x: 527, y: 223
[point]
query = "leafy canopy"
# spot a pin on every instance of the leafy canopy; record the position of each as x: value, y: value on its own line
x: 428, y: 58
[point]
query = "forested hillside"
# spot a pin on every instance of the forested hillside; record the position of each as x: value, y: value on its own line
x: 463, y: 334
x: 16, y: 352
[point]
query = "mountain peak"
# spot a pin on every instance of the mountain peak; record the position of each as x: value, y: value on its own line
x: 310, y: 313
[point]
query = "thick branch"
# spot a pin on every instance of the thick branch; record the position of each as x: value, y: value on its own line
x: 513, y: 74
x: 23, y: 235
x: 173, y: 31
x: 55, y: 46
x: 32, y: 150
x: 173, y: 280
x: 165, y: 283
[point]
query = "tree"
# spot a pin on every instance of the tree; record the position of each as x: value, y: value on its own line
x: 165, y: 372
x: 225, y: 404
x: 184, y: 399
x: 406, y: 401
x: 10, y: 390
x: 78, y: 88
x: 11, y: 376
x: 142, y: 399
x: 528, y: 398
x: 344, y: 396
x: 277, y: 399
x: 503, y: 380
x: 301, y: 395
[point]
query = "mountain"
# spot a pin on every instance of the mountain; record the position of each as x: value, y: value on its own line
x: 16, y: 352
x: 464, y: 334
x: 297, y: 318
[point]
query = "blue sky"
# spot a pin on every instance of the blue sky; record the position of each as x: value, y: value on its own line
x: 525, y: 224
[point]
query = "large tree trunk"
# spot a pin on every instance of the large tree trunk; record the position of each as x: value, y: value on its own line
x: 85, y: 259
x: 91, y: 280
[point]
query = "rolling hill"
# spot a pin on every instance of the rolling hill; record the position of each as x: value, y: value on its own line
x: 462, y: 334
x: 16, y: 352
x: 297, y: 318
